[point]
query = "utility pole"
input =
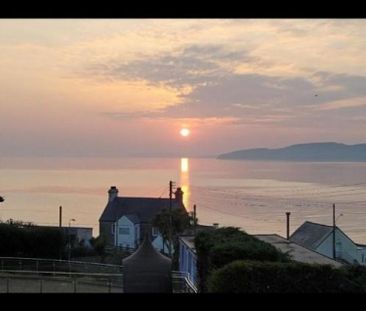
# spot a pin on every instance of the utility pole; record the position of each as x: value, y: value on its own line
x: 288, y: 225
x: 60, y: 224
x: 60, y: 217
x: 170, y: 218
x: 194, y: 219
x: 334, y: 232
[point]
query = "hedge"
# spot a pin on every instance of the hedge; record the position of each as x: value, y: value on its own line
x: 25, y: 240
x: 273, y: 277
x: 219, y: 247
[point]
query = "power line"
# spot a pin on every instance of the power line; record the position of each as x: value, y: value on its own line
x: 163, y: 192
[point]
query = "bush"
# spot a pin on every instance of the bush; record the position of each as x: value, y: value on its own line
x: 356, y: 273
x: 25, y: 240
x: 274, y: 277
x: 99, y: 244
x: 219, y: 247
x: 82, y: 251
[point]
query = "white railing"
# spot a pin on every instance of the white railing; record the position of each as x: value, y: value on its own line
x: 182, y: 283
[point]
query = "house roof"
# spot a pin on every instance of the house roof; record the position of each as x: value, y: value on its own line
x: 133, y: 218
x: 296, y: 251
x: 144, y: 208
x: 190, y: 231
x: 189, y: 241
x: 68, y: 228
x: 188, y: 235
x: 311, y: 235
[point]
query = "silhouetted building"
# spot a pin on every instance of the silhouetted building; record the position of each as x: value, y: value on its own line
x: 78, y: 236
x: 147, y: 271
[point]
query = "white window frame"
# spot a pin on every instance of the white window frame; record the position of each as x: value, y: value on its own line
x: 155, y: 231
x: 125, y: 228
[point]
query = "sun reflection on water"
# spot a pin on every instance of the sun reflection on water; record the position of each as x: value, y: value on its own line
x: 184, y: 181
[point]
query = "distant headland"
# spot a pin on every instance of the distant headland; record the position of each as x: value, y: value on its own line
x: 324, y: 151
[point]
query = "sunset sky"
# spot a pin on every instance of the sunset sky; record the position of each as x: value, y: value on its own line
x: 119, y: 87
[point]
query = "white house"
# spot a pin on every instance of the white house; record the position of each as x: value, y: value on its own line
x: 158, y: 242
x: 126, y: 220
x: 127, y: 234
x: 128, y: 231
x: 319, y: 237
x: 297, y: 252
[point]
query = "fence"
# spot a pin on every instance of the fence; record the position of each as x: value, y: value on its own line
x: 54, y: 265
x: 49, y: 275
x: 14, y: 281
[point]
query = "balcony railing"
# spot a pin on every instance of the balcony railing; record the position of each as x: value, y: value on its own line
x: 182, y: 284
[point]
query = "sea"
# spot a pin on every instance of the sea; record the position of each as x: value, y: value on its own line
x: 252, y: 195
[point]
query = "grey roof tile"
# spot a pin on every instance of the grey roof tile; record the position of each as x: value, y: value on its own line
x: 144, y: 208
x: 311, y: 235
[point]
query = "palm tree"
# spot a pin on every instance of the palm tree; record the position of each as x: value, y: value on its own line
x: 180, y: 221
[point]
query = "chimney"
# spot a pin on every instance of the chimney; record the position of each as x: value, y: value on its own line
x: 112, y: 193
x: 288, y: 225
x: 179, y: 195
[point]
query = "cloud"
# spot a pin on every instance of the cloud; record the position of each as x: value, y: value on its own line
x: 217, y: 92
x: 193, y: 65
x: 208, y: 85
x: 344, y: 103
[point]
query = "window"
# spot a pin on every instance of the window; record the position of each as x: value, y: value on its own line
x: 124, y: 230
x: 155, y: 231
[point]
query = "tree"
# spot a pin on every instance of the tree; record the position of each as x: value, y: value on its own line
x: 22, y: 239
x: 216, y: 248
x: 99, y: 245
x: 180, y: 221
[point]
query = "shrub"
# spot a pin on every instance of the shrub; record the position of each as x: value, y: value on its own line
x: 219, y: 247
x: 25, y: 240
x: 99, y: 244
x: 274, y: 277
x: 356, y: 273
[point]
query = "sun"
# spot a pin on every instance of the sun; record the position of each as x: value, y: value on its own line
x: 184, y: 132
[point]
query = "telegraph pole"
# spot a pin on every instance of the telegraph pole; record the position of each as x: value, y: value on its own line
x: 194, y: 219
x: 288, y: 225
x: 334, y: 232
x: 60, y: 217
x: 170, y: 218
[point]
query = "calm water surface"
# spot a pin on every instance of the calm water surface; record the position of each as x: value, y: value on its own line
x: 253, y: 195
